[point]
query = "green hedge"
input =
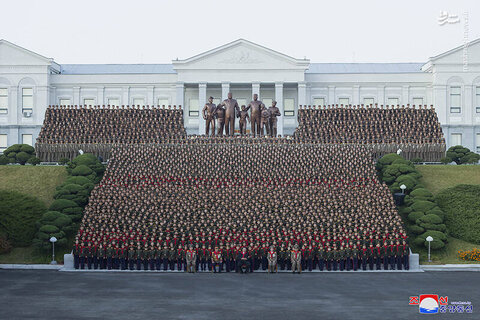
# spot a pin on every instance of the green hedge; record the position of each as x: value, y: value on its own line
x: 461, y: 205
x: 18, y: 214
x: 18, y: 153
x: 461, y: 155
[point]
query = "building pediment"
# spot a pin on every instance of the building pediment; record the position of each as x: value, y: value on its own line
x: 241, y: 55
x: 456, y: 56
x: 11, y: 55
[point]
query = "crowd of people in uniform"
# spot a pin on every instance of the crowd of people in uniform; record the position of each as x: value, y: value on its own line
x: 95, y: 129
x: 241, y: 204
x: 414, y: 130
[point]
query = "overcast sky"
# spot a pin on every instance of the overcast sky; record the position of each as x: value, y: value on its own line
x: 142, y: 31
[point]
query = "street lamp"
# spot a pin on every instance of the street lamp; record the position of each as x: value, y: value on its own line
x: 429, y: 239
x: 53, y: 240
x: 403, y: 187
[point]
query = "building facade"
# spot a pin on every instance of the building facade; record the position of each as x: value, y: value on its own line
x: 450, y: 81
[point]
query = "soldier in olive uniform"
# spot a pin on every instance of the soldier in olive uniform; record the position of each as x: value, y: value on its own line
x: 272, y: 260
x: 296, y: 258
x: 191, y: 259
x: 131, y: 258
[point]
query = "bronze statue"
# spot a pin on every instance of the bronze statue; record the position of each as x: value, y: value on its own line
x: 255, y: 105
x: 231, y: 111
x: 272, y: 123
x: 264, y: 120
x: 243, y: 120
x: 220, y: 114
x: 208, y: 114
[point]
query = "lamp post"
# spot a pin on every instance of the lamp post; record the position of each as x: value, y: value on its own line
x: 429, y: 239
x: 53, y: 240
x: 403, y: 187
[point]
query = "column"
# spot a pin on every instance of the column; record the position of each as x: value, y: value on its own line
x: 101, y: 95
x: 13, y: 107
x: 302, y: 95
x: 356, y: 95
x: 126, y: 96
x: 440, y: 103
x: 468, y: 106
x: 180, y: 96
x: 202, y: 99
x: 255, y: 89
x: 279, y: 99
x: 150, y: 101
x: 331, y: 95
x: 381, y: 96
x: 225, y: 90
x: 405, y: 95
x: 76, y: 96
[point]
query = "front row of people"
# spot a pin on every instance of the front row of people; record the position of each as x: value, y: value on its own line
x: 192, y: 260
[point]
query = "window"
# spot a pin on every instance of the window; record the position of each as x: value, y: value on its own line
x: 318, y: 101
x: 344, y: 101
x: 89, y: 102
x: 193, y: 108
x: 392, y: 102
x: 478, y: 143
x: 477, y: 100
x: 113, y: 102
x: 64, y: 102
x: 455, y: 100
x: 138, y: 101
x: 3, y: 101
x: 27, y: 100
x: 289, y: 107
x: 3, y: 142
x: 163, y: 102
x: 368, y: 101
x: 456, y: 139
x: 267, y: 102
x: 417, y: 101
x: 27, y: 139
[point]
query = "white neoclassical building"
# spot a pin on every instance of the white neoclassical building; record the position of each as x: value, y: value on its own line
x: 29, y: 82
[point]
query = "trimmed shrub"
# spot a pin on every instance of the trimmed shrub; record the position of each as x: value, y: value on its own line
x: 18, y: 214
x: 61, y: 205
x: 421, y: 193
x: 4, y: 160
x: 22, y: 157
x: 435, y: 235
x: 415, y: 229
x: 414, y: 216
x: 461, y: 205
x: 431, y: 218
x: 461, y: 155
x: 422, y: 205
x: 34, y: 161
x: 82, y: 170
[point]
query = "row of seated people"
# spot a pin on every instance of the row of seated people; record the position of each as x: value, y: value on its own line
x: 241, y: 194
x: 357, y: 124
x: 374, y: 254
x: 73, y: 124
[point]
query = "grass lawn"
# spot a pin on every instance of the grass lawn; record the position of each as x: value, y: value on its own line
x: 449, y: 254
x: 439, y: 177
x: 36, y: 181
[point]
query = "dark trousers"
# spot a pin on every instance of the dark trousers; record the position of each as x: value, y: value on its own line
x: 406, y: 263
x: 76, y: 261
x: 355, y: 264
x: 139, y: 264
x: 180, y: 264
x: 145, y: 264
x: 364, y: 263
x: 157, y: 264
x: 370, y: 263
x: 109, y: 263
x: 310, y: 264
x: 203, y: 264
x: 152, y: 264
x: 321, y: 263
x: 130, y: 264
x: 165, y: 264
x: 123, y: 263
x: 115, y: 262
x: 89, y: 262
x: 398, y: 260
x: 392, y: 262
x: 385, y: 263
x: 264, y: 263
x: 82, y: 262
x: 95, y: 263
x: 342, y: 265
x: 378, y: 263
x: 282, y: 264
x: 334, y: 265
